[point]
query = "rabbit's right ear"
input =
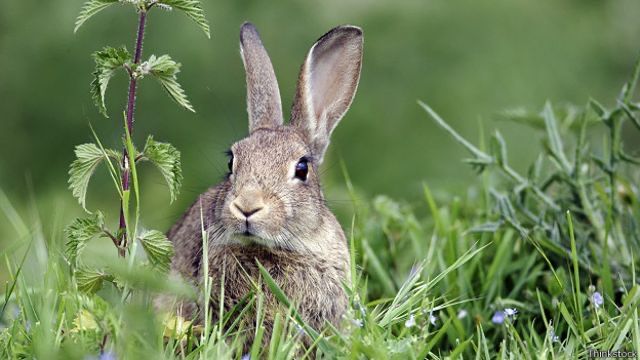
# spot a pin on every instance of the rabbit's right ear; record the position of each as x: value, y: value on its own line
x: 263, y: 95
x: 326, y: 85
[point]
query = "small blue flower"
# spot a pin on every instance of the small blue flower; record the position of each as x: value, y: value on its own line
x: 15, y: 311
x: 511, y: 312
x: 597, y: 299
x: 415, y: 271
x: 553, y: 336
x: 498, y: 317
x: 107, y: 355
x: 300, y: 330
x: 246, y: 357
x: 363, y: 311
x: 357, y: 322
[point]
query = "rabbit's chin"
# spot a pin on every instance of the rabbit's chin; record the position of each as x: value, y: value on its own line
x: 248, y: 239
x: 278, y: 243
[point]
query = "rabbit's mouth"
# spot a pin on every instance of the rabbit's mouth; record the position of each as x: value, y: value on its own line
x: 248, y: 232
x: 247, y: 229
x: 254, y: 227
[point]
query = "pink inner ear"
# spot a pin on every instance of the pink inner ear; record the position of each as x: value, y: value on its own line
x: 333, y: 77
x: 326, y: 83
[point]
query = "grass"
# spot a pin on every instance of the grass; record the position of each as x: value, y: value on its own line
x: 535, y: 265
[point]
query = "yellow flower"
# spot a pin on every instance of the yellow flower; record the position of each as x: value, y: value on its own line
x: 84, y: 321
x: 176, y: 327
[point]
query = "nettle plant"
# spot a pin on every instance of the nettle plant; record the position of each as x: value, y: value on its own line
x: 122, y: 164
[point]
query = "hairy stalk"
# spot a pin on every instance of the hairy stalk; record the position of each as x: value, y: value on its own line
x: 131, y: 102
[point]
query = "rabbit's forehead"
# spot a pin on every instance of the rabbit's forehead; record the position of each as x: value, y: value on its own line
x: 270, y: 147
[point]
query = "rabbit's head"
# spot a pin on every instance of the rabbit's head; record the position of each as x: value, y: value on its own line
x: 273, y: 192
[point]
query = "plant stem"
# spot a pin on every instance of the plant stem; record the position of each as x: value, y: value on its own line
x: 131, y: 104
x: 136, y: 60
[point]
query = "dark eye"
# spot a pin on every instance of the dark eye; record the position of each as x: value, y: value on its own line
x: 302, y: 169
x: 230, y: 163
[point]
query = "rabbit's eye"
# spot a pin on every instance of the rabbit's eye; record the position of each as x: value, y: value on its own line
x: 230, y: 163
x: 302, y: 169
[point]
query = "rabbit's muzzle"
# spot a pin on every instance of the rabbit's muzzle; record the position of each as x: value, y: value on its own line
x: 251, y: 215
x: 249, y: 205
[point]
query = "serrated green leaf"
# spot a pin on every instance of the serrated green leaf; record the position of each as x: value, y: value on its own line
x: 193, y: 9
x: 107, y: 60
x: 167, y: 158
x: 91, y: 8
x: 165, y: 70
x: 88, y: 157
x: 80, y: 232
x: 90, y: 280
x: 158, y: 248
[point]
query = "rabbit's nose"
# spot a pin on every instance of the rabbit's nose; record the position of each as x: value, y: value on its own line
x: 247, y: 212
x: 244, y: 207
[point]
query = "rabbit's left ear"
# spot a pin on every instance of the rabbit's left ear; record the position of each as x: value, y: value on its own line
x: 263, y: 94
x: 327, y: 84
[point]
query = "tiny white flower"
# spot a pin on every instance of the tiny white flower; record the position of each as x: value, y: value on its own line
x: 144, y: 68
x: 584, y: 168
x: 357, y: 322
x: 552, y: 334
x: 511, y: 312
x: 462, y: 314
x: 432, y: 318
x: 411, y: 322
x: 164, y: 6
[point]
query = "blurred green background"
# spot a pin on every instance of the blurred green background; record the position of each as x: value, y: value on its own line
x: 467, y: 59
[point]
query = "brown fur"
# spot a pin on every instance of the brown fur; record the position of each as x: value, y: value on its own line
x: 262, y: 212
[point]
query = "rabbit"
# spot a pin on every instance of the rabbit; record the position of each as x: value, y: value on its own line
x: 270, y: 207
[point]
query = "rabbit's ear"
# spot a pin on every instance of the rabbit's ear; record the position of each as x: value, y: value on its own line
x: 326, y: 85
x: 263, y: 96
